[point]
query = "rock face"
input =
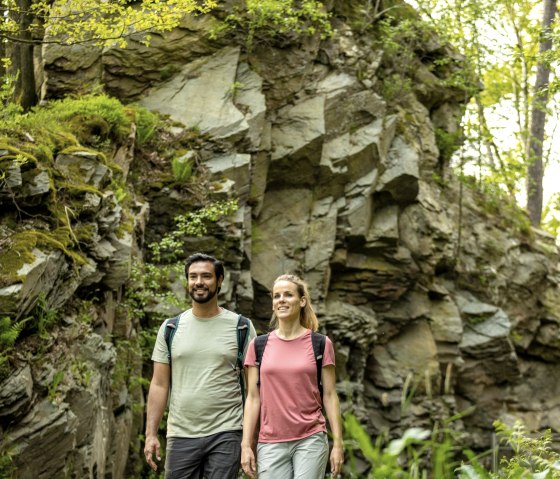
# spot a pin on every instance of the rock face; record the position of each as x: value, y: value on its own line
x: 412, y: 279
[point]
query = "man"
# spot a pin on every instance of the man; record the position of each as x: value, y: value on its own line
x: 205, y: 405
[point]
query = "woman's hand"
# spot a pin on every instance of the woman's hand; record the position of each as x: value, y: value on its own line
x: 337, y: 459
x: 248, y: 462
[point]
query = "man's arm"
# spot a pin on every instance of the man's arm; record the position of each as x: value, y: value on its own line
x: 250, y: 421
x: 332, y: 408
x: 157, y: 400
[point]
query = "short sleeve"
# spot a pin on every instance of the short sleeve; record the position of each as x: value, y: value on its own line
x: 160, y: 354
x: 251, y: 357
x: 328, y: 358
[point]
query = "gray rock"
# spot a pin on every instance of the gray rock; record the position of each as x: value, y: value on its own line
x: 13, y: 177
x: 298, y: 131
x: 235, y: 167
x: 401, y: 174
x: 83, y: 166
x: 68, y: 68
x: 38, y: 278
x: 249, y: 99
x: 384, y: 229
x: 36, y: 182
x: 483, y: 335
x: 201, y: 96
x: 47, y: 428
x: 16, y: 394
x: 118, y: 270
x: 279, y: 234
x: 445, y: 321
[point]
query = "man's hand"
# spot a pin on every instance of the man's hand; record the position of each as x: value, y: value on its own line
x: 248, y: 461
x: 150, y: 448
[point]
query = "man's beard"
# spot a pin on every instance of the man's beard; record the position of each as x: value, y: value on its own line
x: 202, y: 299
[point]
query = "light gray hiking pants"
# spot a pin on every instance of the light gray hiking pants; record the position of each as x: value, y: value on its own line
x: 302, y: 459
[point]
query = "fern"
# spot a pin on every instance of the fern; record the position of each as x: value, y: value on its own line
x: 182, y: 168
x: 10, y: 331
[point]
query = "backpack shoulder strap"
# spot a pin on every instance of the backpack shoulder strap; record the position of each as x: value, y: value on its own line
x: 170, y: 329
x: 260, y: 344
x: 318, y: 341
x: 243, y: 328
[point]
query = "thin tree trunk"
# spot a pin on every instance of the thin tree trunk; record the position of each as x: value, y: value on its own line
x: 27, y: 94
x: 535, y: 169
x: 2, y: 55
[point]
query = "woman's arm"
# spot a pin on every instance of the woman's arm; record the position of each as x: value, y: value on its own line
x: 332, y: 408
x: 250, y: 421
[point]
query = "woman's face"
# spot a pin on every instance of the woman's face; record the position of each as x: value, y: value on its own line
x: 286, y: 301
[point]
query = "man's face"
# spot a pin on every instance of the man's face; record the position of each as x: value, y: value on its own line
x: 202, y: 282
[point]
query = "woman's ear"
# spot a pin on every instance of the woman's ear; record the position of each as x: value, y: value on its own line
x: 303, y: 301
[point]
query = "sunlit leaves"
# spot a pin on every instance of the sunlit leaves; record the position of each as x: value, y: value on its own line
x: 266, y: 19
x: 102, y: 22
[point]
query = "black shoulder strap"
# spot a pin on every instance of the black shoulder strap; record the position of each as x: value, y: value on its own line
x: 170, y: 329
x: 243, y: 327
x: 318, y: 341
x: 260, y: 344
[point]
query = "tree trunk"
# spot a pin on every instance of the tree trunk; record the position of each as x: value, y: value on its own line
x: 3, y: 52
x: 25, y: 91
x: 535, y: 168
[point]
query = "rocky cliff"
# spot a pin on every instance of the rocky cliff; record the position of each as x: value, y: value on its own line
x: 430, y: 291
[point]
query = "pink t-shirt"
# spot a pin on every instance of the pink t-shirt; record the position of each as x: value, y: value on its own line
x: 290, y: 398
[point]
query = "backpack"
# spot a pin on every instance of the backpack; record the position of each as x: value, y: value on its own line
x: 243, y: 328
x: 318, y: 341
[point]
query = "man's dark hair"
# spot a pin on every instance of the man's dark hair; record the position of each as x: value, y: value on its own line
x: 206, y: 258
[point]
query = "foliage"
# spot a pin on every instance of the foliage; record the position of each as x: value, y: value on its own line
x: 7, y: 87
x: 86, y: 117
x: 43, y: 317
x: 7, y: 466
x: 163, y: 265
x: 269, y: 19
x: 96, y: 21
x: 420, y: 453
x: 182, y: 168
x: 532, y: 456
x: 551, y: 215
x: 447, y: 143
x: 9, y: 333
x: 496, y: 202
x: 146, y: 124
x: 88, y: 121
x: 500, y: 41
x: 53, y: 393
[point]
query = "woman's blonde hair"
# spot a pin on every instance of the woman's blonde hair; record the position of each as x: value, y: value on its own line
x: 307, y: 316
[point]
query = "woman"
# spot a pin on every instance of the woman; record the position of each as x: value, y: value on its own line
x: 285, y: 395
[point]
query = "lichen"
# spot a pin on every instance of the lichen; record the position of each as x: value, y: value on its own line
x: 17, y: 153
x: 82, y: 149
x: 18, y: 250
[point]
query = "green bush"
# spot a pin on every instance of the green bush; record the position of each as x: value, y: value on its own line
x: 182, y: 168
x: 164, y: 261
x: 146, y: 124
x: 269, y: 19
x: 421, y: 453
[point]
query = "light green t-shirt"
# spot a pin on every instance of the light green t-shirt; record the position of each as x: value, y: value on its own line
x: 205, y: 394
